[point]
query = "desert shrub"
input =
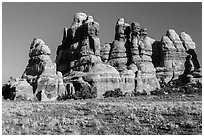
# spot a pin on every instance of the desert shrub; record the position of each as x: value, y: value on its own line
x: 85, y: 92
x: 187, y: 89
x: 8, y: 92
x: 113, y: 93
x: 164, y: 90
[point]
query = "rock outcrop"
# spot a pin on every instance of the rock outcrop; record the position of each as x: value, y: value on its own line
x: 80, y: 53
x: 41, y: 73
x: 18, y: 90
x: 80, y: 45
x: 187, y: 41
x: 174, y: 56
x: 170, y: 63
x: 130, y: 52
x: 141, y: 49
x: 119, y: 51
x: 84, y: 68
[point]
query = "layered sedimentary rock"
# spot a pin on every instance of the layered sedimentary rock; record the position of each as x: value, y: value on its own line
x: 170, y: 63
x: 120, y: 57
x: 190, y: 47
x: 80, y: 45
x: 141, y: 52
x: 172, y: 54
x: 130, y: 52
x: 41, y: 73
x: 119, y: 51
x: 84, y: 68
x: 105, y: 52
x: 80, y: 52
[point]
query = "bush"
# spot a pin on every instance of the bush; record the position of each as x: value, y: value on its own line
x: 84, y: 91
x: 164, y: 90
x: 114, y: 93
x: 8, y: 92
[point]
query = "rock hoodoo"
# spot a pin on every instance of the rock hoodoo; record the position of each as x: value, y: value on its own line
x: 41, y: 73
x: 130, y: 52
x: 80, y: 52
x: 84, y: 68
x: 171, y: 54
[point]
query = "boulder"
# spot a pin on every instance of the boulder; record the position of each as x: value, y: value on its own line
x: 38, y: 47
x: 18, y: 90
x: 24, y: 91
x: 187, y: 41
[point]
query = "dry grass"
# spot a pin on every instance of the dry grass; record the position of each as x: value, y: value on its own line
x: 123, y: 116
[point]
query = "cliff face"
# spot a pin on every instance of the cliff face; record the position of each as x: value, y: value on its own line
x: 84, y: 68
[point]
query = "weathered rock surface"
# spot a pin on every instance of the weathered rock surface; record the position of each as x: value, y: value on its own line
x: 84, y: 68
x: 130, y: 52
x: 102, y: 77
x: 191, y: 74
x: 170, y: 63
x: 119, y: 51
x: 18, y: 90
x: 105, y: 52
x: 24, y: 91
x: 174, y: 56
x: 41, y: 73
x: 80, y: 45
x: 187, y: 41
x: 141, y: 50
x: 80, y: 54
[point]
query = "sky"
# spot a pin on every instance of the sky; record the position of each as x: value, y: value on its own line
x: 22, y: 22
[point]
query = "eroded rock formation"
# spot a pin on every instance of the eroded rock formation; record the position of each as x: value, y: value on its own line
x: 130, y: 52
x: 84, y: 68
x: 169, y: 61
x: 80, y: 52
x: 41, y: 73
x: 18, y: 89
